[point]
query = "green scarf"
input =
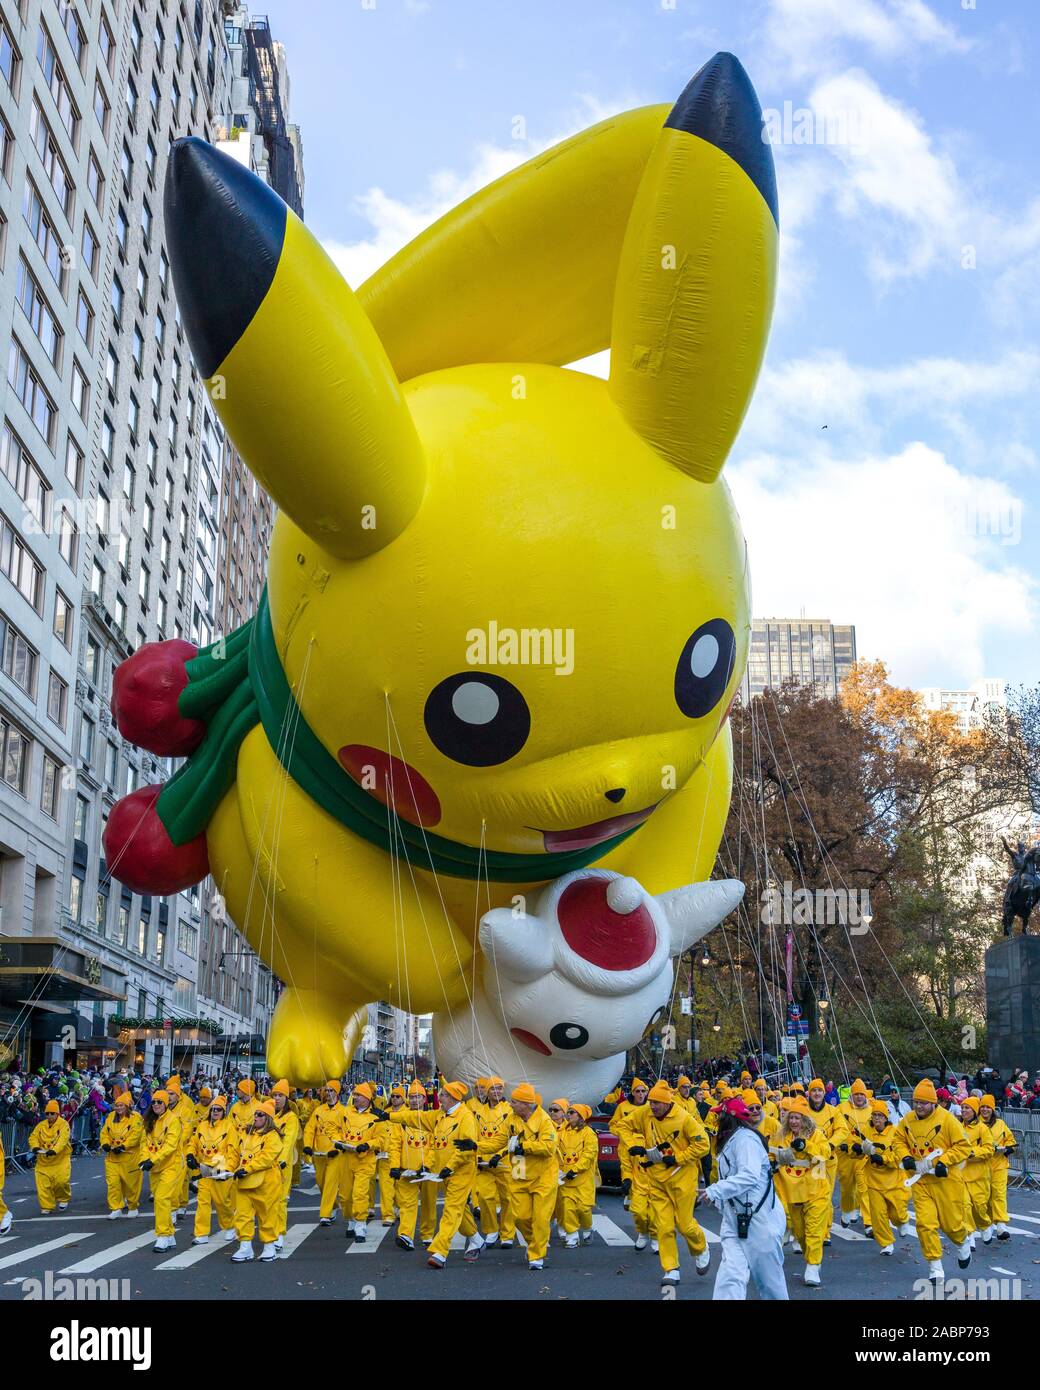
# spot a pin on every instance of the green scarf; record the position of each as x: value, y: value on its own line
x: 238, y: 682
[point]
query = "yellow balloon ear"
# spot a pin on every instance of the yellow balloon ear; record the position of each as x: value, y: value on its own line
x: 293, y: 366
x: 697, y: 276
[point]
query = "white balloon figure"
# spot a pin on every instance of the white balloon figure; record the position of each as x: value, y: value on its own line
x: 568, y: 988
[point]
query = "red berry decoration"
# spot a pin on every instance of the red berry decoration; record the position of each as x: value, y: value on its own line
x: 145, y: 691
x: 140, y: 853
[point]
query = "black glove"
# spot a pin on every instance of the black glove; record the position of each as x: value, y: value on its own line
x: 379, y: 1114
x: 146, y: 1166
x: 570, y: 1173
x: 119, y: 1149
x: 308, y: 1151
x: 843, y: 1148
x: 395, y: 1173
x: 191, y: 1161
x: 798, y: 1145
x: 340, y: 1144
x: 638, y: 1151
x: 670, y: 1161
x: 239, y: 1173
x: 877, y: 1159
x: 519, y: 1147
x: 910, y: 1164
x: 444, y: 1174
x: 106, y: 1148
x: 51, y: 1153
x: 857, y: 1148
x: 495, y: 1161
x: 940, y: 1170
x: 361, y: 1148
x: 626, y: 1186
x: 466, y: 1145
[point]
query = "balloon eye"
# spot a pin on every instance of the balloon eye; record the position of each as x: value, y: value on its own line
x: 477, y: 719
x: 704, y: 668
x: 568, y: 1036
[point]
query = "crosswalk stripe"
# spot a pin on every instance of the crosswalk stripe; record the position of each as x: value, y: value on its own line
x: 1018, y: 1216
x: 70, y: 1238
x: 1021, y: 1231
x: 843, y: 1234
x: 110, y: 1254
x: 374, y: 1237
x: 612, y: 1234
x: 296, y: 1235
x: 195, y: 1253
x: 999, y: 1269
x: 6, y: 1240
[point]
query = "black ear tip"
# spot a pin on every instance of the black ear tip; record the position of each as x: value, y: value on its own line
x: 224, y: 232
x: 720, y: 105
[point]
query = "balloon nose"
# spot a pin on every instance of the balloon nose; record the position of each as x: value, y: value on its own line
x: 615, y: 794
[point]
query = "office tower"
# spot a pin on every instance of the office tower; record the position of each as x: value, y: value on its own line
x: 808, y: 651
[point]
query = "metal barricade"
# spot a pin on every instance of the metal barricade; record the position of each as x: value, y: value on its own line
x: 1024, y: 1161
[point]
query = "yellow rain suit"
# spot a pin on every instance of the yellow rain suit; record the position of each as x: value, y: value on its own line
x: 357, y: 1170
x: 326, y: 1125
x: 258, y: 1193
x: 938, y: 1201
x: 533, y: 1170
x: 977, y: 1173
x: 852, y: 1166
x: 804, y: 1189
x: 411, y: 1149
x: 288, y: 1126
x: 446, y: 1128
x: 161, y: 1146
x: 887, y: 1197
x: 1003, y: 1143
x: 51, y: 1143
x: 627, y: 1124
x: 577, y: 1153
x: 212, y: 1145
x: 121, y: 1144
x: 672, y: 1185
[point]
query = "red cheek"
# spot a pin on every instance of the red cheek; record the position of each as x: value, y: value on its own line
x: 393, y: 782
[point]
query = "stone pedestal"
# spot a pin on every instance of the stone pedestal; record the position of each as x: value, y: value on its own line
x: 1013, y: 1004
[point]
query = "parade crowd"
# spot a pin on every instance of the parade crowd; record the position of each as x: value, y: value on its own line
x: 485, y: 1167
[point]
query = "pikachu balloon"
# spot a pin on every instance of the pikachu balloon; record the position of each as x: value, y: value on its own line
x: 507, y: 602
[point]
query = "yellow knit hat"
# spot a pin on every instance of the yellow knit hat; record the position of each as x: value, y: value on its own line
x: 525, y: 1093
x: 661, y: 1091
x: 925, y: 1090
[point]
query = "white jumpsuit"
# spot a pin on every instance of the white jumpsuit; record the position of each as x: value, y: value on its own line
x: 744, y: 1176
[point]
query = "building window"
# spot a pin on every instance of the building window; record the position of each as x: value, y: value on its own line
x: 37, y: 311
x: 101, y: 107
x: 117, y: 298
x: 122, y: 927
x: 50, y: 792
x: 92, y: 662
x: 17, y: 562
x: 24, y: 476
x: 80, y: 392
x: 85, y: 319
x: 76, y: 899
x: 6, y: 149
x: 74, y: 30
x: 29, y: 389
x: 57, y: 699
x: 15, y: 755
x: 96, y: 181
x: 86, y: 739
x: 107, y: 45
x: 63, y: 619
x: 53, y: 165
x: 81, y: 818
x: 59, y: 86
x: 68, y: 539
x: 89, y: 248
x: 111, y: 764
x: 44, y: 234
x: 20, y: 660
x: 74, y: 464
x: 97, y: 580
x: 10, y: 59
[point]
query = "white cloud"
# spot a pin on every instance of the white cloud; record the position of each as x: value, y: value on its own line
x: 904, y: 546
x: 807, y: 37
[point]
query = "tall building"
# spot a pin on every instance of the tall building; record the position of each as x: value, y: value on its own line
x: 970, y: 706
x: 115, y: 479
x: 809, y: 651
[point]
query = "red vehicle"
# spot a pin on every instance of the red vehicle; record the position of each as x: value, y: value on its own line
x: 609, y: 1163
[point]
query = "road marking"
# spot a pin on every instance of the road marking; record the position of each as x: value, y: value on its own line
x: 110, y: 1254
x: 1021, y: 1231
x: 295, y: 1236
x: 612, y: 1234
x: 32, y: 1250
x: 374, y: 1237
x: 1018, y: 1216
x: 843, y: 1234
x: 195, y: 1253
x: 999, y: 1269
x: 6, y: 1240
x: 309, y: 1191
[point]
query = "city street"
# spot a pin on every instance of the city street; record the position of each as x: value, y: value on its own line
x: 82, y: 1243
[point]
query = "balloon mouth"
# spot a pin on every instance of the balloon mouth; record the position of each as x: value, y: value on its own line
x: 529, y: 1040
x: 586, y: 835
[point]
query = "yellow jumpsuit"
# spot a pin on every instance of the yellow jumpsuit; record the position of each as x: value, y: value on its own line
x: 357, y: 1171
x: 533, y: 1178
x: 213, y: 1145
x: 852, y: 1167
x: 305, y: 1108
x: 938, y: 1202
x: 493, y: 1187
x: 53, y: 1174
x: 804, y: 1189
x: 830, y: 1121
x: 672, y: 1188
x: 258, y: 1195
x: 123, y: 1176
x: 288, y: 1126
x: 577, y: 1152
x: 184, y: 1113
x: 977, y: 1176
x: 3, y: 1166
x: 411, y: 1149
x: 162, y: 1146
x: 998, y: 1170
x: 887, y: 1197
x: 241, y: 1114
x: 324, y: 1128
x: 444, y: 1128
x: 384, y: 1183
x: 627, y: 1124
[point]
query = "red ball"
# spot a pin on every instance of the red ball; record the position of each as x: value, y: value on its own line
x: 145, y: 691
x: 139, y: 852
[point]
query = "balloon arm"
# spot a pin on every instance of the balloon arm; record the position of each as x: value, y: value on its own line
x: 693, y: 911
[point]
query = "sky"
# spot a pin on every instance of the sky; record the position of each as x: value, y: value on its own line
x: 887, y: 471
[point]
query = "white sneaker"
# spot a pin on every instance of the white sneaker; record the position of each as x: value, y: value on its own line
x: 279, y: 1242
x: 655, y: 1248
x: 243, y: 1253
x: 586, y: 1237
x: 491, y: 1240
x: 702, y: 1261
x: 63, y: 1206
x: 571, y: 1241
x: 131, y: 1214
x: 812, y: 1274
x: 165, y: 1243
x: 906, y: 1229
x: 474, y: 1245
x: 360, y: 1232
x: 269, y: 1252
x: 853, y: 1217
x: 536, y: 1264
x: 5, y: 1225
x: 641, y: 1241
x: 436, y: 1261
x: 887, y: 1250
x: 201, y: 1240
x: 987, y: 1235
x: 670, y: 1276
x: 115, y: 1215
x: 935, y: 1271
x: 1002, y: 1231
x: 964, y: 1254
x: 229, y: 1234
